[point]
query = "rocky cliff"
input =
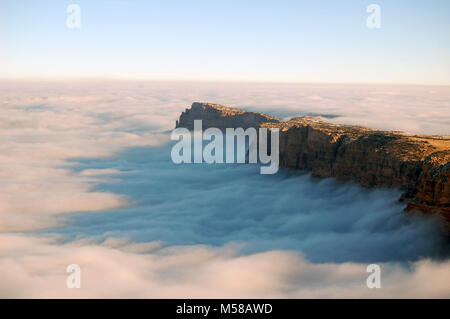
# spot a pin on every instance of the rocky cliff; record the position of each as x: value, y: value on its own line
x: 214, y: 115
x: 420, y: 165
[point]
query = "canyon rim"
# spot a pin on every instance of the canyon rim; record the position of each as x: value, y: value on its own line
x: 417, y: 164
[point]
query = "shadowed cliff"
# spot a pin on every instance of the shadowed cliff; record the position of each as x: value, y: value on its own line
x: 420, y: 165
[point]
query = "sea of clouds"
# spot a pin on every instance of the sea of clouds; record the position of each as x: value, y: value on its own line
x: 86, y: 178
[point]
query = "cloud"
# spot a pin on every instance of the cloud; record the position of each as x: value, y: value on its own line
x: 41, y: 131
x: 35, y: 267
x: 200, y: 231
x: 327, y: 220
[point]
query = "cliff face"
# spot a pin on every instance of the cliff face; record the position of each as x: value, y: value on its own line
x: 420, y: 165
x: 214, y: 115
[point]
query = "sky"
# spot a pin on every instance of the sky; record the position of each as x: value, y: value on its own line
x: 269, y: 41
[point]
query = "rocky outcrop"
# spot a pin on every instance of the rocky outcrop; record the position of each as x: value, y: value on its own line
x: 420, y: 165
x: 214, y: 115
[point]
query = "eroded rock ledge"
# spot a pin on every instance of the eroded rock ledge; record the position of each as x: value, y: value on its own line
x: 420, y: 165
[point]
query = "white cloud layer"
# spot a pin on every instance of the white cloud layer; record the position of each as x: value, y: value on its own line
x: 36, y: 268
x: 44, y: 126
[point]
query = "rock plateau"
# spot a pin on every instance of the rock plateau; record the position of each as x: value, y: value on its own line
x: 417, y: 164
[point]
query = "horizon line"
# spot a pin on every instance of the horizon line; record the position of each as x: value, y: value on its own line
x: 193, y: 80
